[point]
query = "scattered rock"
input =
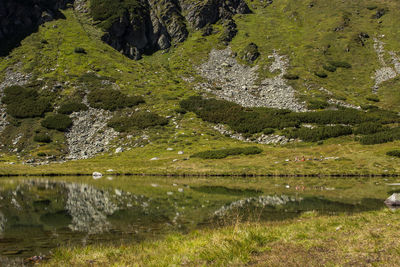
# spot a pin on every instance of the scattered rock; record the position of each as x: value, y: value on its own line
x: 238, y: 83
x: 119, y: 150
x: 393, y: 200
x: 155, y: 158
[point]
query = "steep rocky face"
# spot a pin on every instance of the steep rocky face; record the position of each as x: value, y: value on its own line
x: 19, y: 18
x: 151, y: 25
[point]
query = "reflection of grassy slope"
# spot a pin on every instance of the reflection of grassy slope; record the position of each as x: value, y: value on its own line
x: 293, y: 28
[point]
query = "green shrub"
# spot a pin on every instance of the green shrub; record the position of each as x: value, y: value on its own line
x: 255, y: 120
x: 372, y: 7
x: 79, y: 50
x: 41, y: 154
x: 42, y: 138
x: 319, y: 133
x: 393, y: 153
x: 180, y: 110
x: 112, y: 99
x: 340, y: 64
x: 317, y: 104
x: 386, y: 136
x: 368, y: 128
x: 138, y: 120
x: 70, y: 107
x: 268, y: 131
x: 329, y: 68
x: 321, y: 74
x: 291, y: 76
x: 373, y: 98
x: 223, y: 153
x: 58, y: 122
x: 22, y: 102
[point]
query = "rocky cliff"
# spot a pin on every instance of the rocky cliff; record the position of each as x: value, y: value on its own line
x: 144, y: 27
x: 19, y: 18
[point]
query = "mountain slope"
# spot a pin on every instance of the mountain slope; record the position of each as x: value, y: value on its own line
x: 278, y: 58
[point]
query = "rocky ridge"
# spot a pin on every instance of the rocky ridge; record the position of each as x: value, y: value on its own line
x: 235, y: 82
x: 164, y: 23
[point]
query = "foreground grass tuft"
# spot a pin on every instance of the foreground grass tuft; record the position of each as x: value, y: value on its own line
x: 311, y: 240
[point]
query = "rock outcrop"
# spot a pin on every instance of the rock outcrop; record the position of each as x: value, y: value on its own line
x: 18, y: 19
x: 156, y: 25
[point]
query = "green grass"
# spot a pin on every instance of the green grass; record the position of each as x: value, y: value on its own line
x: 310, y: 240
x: 302, y: 33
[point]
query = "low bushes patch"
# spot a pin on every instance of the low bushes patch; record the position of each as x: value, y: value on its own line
x: 223, y: 153
x: 389, y: 135
x: 71, y: 106
x: 58, y: 122
x: 319, y: 133
x: 42, y: 138
x: 24, y: 102
x: 112, y: 100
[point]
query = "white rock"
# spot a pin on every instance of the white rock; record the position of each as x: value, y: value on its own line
x: 170, y: 149
x: 110, y: 170
x: 119, y: 150
x: 180, y: 190
x: 170, y: 193
x: 180, y: 153
x: 154, y: 185
x: 118, y: 192
x: 97, y: 175
x: 155, y: 158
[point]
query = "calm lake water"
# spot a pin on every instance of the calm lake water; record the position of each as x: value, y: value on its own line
x: 39, y: 214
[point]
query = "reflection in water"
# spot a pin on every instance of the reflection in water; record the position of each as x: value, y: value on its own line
x: 255, y: 202
x: 39, y: 215
x: 89, y: 208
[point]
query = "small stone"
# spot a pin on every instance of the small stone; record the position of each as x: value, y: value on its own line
x: 180, y: 190
x: 393, y: 200
x: 180, y: 153
x: 170, y: 193
x: 170, y: 149
x: 97, y: 175
x: 119, y: 150
x: 155, y: 158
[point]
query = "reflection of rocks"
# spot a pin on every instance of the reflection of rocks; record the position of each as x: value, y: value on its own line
x: 3, y: 221
x: 259, y: 202
x: 89, y: 208
x: 238, y: 83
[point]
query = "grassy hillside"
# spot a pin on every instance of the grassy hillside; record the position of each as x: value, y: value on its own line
x: 314, y: 35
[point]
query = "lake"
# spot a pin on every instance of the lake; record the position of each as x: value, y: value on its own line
x: 40, y: 214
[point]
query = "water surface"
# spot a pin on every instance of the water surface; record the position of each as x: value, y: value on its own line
x: 40, y: 214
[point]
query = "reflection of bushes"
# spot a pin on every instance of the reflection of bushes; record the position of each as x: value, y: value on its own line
x: 223, y: 153
x: 112, y: 99
x: 70, y: 107
x: 58, y: 122
x: 138, y: 120
x: 25, y: 103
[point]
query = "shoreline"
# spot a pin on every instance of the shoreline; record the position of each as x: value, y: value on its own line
x: 202, y: 175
